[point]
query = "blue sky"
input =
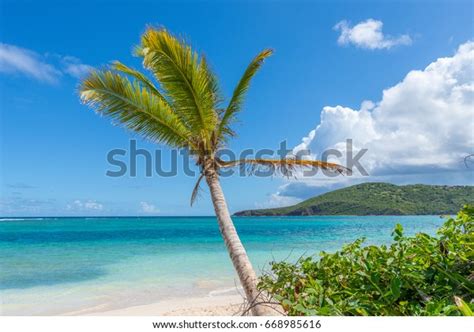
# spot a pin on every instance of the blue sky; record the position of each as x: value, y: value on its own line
x: 53, y: 149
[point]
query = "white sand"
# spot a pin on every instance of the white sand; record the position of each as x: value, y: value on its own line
x: 219, y: 302
x: 222, y: 305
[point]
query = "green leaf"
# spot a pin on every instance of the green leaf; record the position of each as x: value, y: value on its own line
x: 463, y: 306
x: 397, y: 232
x: 135, y: 107
x: 235, y: 104
x: 184, y: 76
x: 395, y: 285
x: 299, y: 307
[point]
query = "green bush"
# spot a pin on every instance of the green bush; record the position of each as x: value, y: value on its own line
x: 420, y: 275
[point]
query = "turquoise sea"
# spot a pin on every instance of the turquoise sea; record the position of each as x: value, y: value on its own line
x: 66, y: 265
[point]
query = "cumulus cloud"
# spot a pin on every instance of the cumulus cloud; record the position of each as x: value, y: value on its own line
x: 420, y: 131
x: 148, y: 208
x: 278, y: 199
x: 44, y: 68
x: 368, y: 34
x: 88, y: 205
x: 422, y: 123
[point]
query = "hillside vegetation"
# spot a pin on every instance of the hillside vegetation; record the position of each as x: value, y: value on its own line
x: 379, y: 199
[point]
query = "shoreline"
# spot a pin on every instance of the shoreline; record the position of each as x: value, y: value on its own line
x: 220, y: 305
x: 96, y: 272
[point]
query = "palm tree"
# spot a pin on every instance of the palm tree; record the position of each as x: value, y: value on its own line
x: 184, y: 110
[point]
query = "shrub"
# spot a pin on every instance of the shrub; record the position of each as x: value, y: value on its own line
x: 419, y: 275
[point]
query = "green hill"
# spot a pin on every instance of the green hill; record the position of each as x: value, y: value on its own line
x: 378, y: 199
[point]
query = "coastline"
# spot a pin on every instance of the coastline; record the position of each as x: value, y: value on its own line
x: 223, y: 305
x: 159, y: 268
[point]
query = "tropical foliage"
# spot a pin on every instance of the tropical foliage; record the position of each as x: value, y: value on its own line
x: 420, y: 275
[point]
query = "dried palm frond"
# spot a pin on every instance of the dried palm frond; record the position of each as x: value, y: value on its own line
x: 285, y: 167
x: 196, y: 189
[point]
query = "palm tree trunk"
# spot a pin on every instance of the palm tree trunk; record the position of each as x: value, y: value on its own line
x: 236, y: 250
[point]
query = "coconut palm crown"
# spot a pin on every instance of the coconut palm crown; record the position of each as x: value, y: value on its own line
x: 183, y: 108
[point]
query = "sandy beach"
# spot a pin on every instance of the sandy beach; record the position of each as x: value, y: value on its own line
x: 225, y: 305
x: 219, y: 302
x: 228, y: 302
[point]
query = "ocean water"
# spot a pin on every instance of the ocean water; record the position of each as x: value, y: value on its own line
x: 52, y: 266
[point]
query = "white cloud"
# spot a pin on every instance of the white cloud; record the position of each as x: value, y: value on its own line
x: 368, y: 34
x: 278, y: 199
x: 47, y: 68
x: 423, y: 122
x: 89, y: 205
x: 14, y: 59
x: 148, y: 208
x: 74, y: 67
x: 419, y: 132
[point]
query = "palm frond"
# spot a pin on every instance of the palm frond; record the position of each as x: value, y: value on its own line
x: 118, y: 66
x: 235, y: 104
x: 184, y: 77
x: 196, y: 189
x: 286, y: 167
x: 133, y: 106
